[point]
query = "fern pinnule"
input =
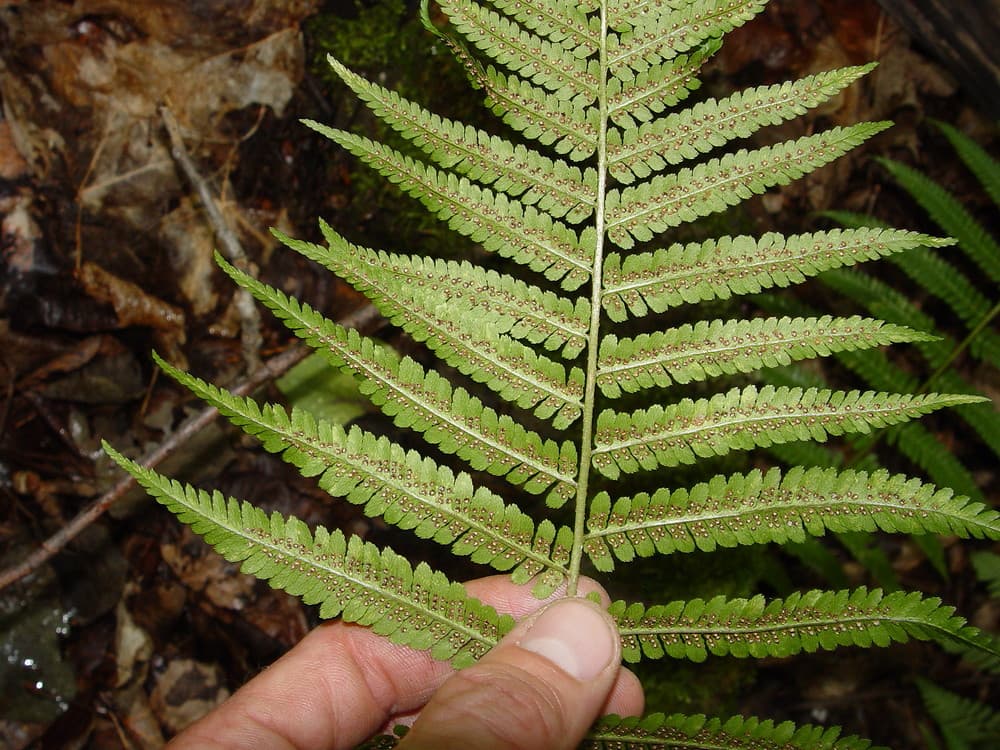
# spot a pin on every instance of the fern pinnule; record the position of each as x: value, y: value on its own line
x: 694, y: 628
x: 746, y: 418
x: 738, y: 732
x: 712, y: 348
x: 776, y: 507
x: 718, y: 269
x: 346, y: 577
x: 951, y: 216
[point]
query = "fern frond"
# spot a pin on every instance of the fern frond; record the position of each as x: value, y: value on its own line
x: 468, y: 342
x: 881, y: 374
x: 950, y: 215
x: 712, y: 123
x: 511, y: 306
x: 349, y: 578
x: 711, y: 348
x: 810, y: 621
x: 672, y: 29
x: 653, y: 90
x: 532, y: 57
x: 981, y: 164
x: 944, y: 281
x: 758, y: 508
x: 718, y: 269
x: 400, y: 486
x: 558, y: 21
x: 569, y: 128
x: 964, y: 723
x: 448, y: 417
x: 685, y: 732
x: 503, y: 225
x: 987, y: 567
x: 552, y: 185
x: 744, y: 419
x: 637, y: 213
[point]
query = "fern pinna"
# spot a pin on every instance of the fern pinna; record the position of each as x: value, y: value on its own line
x: 598, y: 161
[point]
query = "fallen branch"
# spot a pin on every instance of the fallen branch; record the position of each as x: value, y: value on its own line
x: 250, y: 338
x: 270, y: 370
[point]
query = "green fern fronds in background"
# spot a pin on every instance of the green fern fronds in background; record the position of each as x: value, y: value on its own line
x: 542, y: 371
x: 969, y: 310
x: 964, y: 724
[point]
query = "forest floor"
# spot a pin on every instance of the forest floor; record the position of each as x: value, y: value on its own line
x: 135, y: 627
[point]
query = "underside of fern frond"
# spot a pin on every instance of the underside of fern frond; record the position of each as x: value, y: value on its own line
x: 539, y: 364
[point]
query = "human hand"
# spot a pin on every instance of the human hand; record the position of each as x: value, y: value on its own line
x: 541, y: 687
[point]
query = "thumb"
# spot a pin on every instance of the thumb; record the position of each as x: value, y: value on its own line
x: 541, y: 687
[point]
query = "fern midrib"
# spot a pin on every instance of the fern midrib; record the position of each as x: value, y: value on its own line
x: 764, y: 419
x: 835, y: 621
x: 594, y: 334
x: 750, y: 349
x: 900, y: 510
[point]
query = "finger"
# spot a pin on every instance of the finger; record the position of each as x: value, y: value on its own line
x: 339, y: 685
x: 540, y: 688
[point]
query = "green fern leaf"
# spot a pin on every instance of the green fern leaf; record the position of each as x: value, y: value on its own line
x: 533, y: 57
x: 510, y: 306
x: 590, y: 83
x: 743, y: 419
x: 708, y: 349
x: 449, y: 418
x: 709, y: 124
x: 653, y: 90
x: 469, y: 342
x: 400, y: 486
x: 569, y: 127
x: 810, y: 621
x: 737, y: 733
x: 718, y: 269
x: 665, y: 201
x: 551, y: 185
x: 951, y: 216
x: 981, y: 164
x: 501, y: 224
x: 987, y: 567
x: 758, y: 508
x: 560, y: 22
x: 348, y: 578
x: 943, y: 280
x: 660, y: 36
x: 964, y: 723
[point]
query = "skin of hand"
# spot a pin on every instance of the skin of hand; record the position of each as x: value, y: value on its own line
x: 540, y: 688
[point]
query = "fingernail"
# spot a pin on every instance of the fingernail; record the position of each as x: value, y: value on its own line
x: 574, y: 636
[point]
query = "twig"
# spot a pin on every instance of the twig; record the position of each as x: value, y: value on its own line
x: 229, y: 243
x: 273, y: 368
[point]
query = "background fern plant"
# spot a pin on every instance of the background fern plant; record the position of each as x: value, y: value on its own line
x: 546, y: 360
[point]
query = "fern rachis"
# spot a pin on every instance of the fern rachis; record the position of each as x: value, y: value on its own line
x: 578, y: 80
